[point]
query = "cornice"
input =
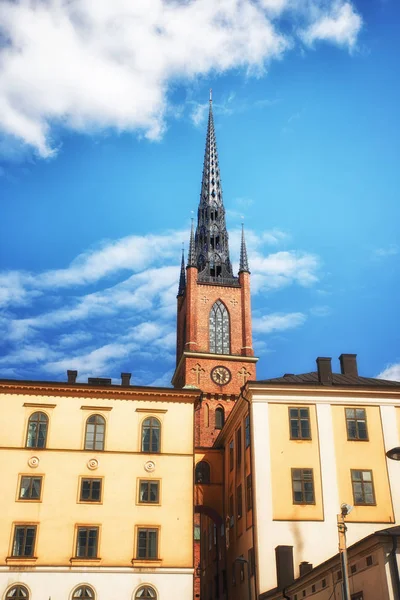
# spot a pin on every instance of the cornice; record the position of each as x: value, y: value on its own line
x: 260, y: 393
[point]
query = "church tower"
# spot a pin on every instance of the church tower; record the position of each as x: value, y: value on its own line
x: 214, y: 349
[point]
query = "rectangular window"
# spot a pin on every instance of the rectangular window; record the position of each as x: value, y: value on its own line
x: 232, y: 518
x: 356, y: 422
x: 24, y: 540
x: 238, y: 447
x: 300, y: 428
x: 247, y: 430
x: 149, y: 492
x: 90, y: 490
x: 249, y: 494
x: 313, y: 588
x: 357, y: 596
x: 369, y: 561
x: 30, y: 488
x: 86, y: 542
x: 231, y: 448
x: 239, y: 501
x: 303, y: 486
x: 323, y: 584
x: 363, y: 487
x: 147, y: 543
x: 251, y: 561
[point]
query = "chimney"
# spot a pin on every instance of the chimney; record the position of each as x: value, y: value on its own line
x: 72, y: 375
x: 324, y: 370
x: 284, y: 566
x: 348, y: 364
x: 305, y: 567
x: 126, y: 379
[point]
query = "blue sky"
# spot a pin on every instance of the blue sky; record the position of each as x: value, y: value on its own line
x: 102, y: 131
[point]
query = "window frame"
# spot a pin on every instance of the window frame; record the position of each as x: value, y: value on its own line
x: 30, y: 476
x: 89, y: 501
x: 87, y: 526
x: 141, y: 481
x: 17, y: 585
x: 299, y: 419
x: 24, y: 525
x: 202, y: 462
x: 301, y: 469
x: 150, y: 418
x: 219, y: 411
x: 145, y: 585
x: 147, y: 528
x: 80, y: 587
x: 47, y: 421
x: 356, y: 420
x: 85, y: 443
x: 215, y: 308
x: 362, y: 486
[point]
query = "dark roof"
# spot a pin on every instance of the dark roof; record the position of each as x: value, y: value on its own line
x: 337, y: 380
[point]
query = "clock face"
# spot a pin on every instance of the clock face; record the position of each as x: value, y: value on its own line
x: 221, y: 375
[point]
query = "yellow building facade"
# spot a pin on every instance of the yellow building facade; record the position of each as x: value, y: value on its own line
x: 97, y: 491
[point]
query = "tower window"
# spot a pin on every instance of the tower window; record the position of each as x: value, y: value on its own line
x: 219, y: 418
x: 202, y: 473
x: 219, y: 329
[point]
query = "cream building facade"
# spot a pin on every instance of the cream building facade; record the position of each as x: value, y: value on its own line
x: 97, y: 491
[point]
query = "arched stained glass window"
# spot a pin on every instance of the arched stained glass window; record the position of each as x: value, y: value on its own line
x: 219, y: 329
x: 146, y: 592
x: 37, y: 430
x: 17, y: 592
x: 219, y: 417
x: 94, y: 435
x: 83, y: 591
x: 151, y: 430
x: 202, y: 473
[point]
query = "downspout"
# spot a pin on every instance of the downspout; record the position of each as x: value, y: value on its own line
x: 395, y: 566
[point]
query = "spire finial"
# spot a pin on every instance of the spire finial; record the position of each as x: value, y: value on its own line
x: 243, y: 262
x: 182, y: 276
x: 192, y: 248
x: 210, y: 95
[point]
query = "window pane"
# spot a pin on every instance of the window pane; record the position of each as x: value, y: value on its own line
x: 296, y: 474
x: 81, y: 546
x: 356, y: 475
x: 152, y: 544
x: 42, y: 435
x: 305, y: 428
x: 297, y: 486
x: 294, y: 429
x: 294, y: 413
x: 30, y: 538
x: 298, y: 496
x: 25, y: 484
x: 96, y: 489
x: 85, y: 494
x: 144, y: 491
x: 155, y: 445
x: 309, y: 496
x: 36, y: 485
x: 18, y: 541
x: 362, y: 430
x: 307, y: 474
x: 351, y: 430
x: 146, y: 439
x: 304, y: 413
x: 154, y: 492
x: 358, y: 493
x: 350, y: 413
x: 31, y: 442
x: 360, y: 413
x: 92, y: 543
x: 367, y: 475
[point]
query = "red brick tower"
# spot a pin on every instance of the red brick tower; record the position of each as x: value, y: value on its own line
x: 214, y: 338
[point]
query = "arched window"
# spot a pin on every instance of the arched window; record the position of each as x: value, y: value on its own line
x: 219, y: 417
x: 94, y: 434
x: 219, y: 329
x: 17, y: 592
x: 146, y: 592
x: 37, y: 430
x: 83, y: 591
x: 206, y: 415
x: 151, y: 430
x: 202, y: 473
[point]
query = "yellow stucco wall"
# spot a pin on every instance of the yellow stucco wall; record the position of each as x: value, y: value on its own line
x: 287, y: 454
x: 64, y: 461
x: 364, y: 455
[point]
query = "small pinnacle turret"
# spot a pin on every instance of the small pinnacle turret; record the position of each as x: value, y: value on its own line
x: 192, y: 249
x: 243, y: 262
x: 182, y: 277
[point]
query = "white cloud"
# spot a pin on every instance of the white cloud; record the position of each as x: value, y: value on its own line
x: 278, y: 322
x: 392, y: 372
x: 92, y: 65
x: 391, y: 250
x: 340, y: 26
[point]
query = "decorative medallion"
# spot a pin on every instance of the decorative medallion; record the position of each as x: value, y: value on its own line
x: 150, y: 466
x: 33, y: 462
x: 93, y: 464
x: 221, y: 375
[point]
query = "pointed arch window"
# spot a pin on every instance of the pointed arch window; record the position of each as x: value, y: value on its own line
x: 219, y: 417
x: 202, y: 473
x: 17, y: 592
x: 82, y: 592
x: 146, y: 592
x: 151, y: 435
x: 37, y: 430
x: 219, y: 329
x: 95, y: 433
x: 206, y: 415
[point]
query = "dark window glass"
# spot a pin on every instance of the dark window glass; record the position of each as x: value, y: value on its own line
x: 238, y: 447
x: 369, y: 561
x: 219, y: 329
x: 300, y: 428
x: 90, y: 490
x: 251, y: 561
x: 303, y: 486
x: 363, y: 487
x: 249, y: 494
x: 151, y: 430
x: 86, y: 543
x: 219, y: 418
x: 94, y: 434
x: 356, y: 422
x: 231, y: 512
x: 231, y: 449
x: 24, y: 540
x: 83, y: 591
x: 149, y: 492
x: 357, y: 596
x: 37, y: 430
x: 145, y: 593
x: 324, y: 583
x: 239, y: 501
x: 30, y: 488
x: 353, y: 568
x: 247, y: 431
x: 17, y: 592
x: 202, y: 473
x: 147, y: 543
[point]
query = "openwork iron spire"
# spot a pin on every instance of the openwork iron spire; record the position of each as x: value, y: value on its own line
x: 211, y: 239
x: 192, y: 249
x: 243, y: 262
x: 182, y: 277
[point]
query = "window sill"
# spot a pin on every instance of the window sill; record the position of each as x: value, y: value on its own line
x: 11, y: 560
x: 145, y: 562
x: 76, y: 559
